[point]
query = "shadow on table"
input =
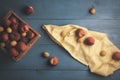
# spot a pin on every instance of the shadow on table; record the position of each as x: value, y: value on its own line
x: 5, y: 59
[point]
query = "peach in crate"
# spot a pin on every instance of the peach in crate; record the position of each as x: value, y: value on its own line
x: 17, y: 37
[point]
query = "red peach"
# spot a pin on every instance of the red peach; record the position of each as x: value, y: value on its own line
x: 29, y: 10
x: 14, y: 52
x: 89, y: 41
x: 80, y: 33
x: 54, y: 61
x: 13, y: 19
x: 22, y: 46
x: 24, y: 27
x: 30, y: 34
x: 5, y: 36
x: 116, y: 56
x: 7, y: 22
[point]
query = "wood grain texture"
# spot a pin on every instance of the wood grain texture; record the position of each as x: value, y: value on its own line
x: 59, y: 12
x: 64, y: 9
x: 52, y: 75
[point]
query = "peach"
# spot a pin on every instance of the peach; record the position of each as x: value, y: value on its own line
x: 116, y: 56
x: 13, y: 19
x: 22, y: 46
x: 14, y: 52
x: 103, y: 53
x: 29, y: 10
x: 5, y: 36
x: 80, y: 33
x: 46, y: 54
x: 54, y: 61
x: 92, y: 11
x: 9, y: 30
x: 7, y: 22
x: 30, y: 34
x: 24, y: 28
x: 13, y: 43
x: 89, y: 41
x: 1, y: 29
x: 24, y: 34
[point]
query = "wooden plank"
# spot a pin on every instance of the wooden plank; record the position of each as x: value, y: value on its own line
x: 107, y: 9
x: 64, y: 9
x: 53, y: 75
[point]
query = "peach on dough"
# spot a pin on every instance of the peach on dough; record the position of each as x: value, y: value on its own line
x: 80, y: 33
x: 116, y: 56
x: 89, y: 41
x: 102, y: 53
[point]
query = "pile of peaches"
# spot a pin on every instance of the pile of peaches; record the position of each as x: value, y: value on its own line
x: 14, y: 36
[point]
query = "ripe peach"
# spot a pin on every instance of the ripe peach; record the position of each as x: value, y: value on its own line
x: 14, y: 52
x: 103, y: 53
x: 24, y: 34
x: 92, y: 11
x: 24, y: 28
x: 89, y: 41
x: 80, y: 33
x: 54, y: 61
x: 30, y: 34
x: 1, y: 29
x: 46, y: 54
x: 13, y: 19
x: 25, y: 40
x: 29, y: 10
x: 5, y: 36
x: 22, y: 46
x: 7, y: 22
x: 116, y: 56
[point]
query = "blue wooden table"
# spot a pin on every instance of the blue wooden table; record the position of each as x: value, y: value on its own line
x: 60, y: 12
